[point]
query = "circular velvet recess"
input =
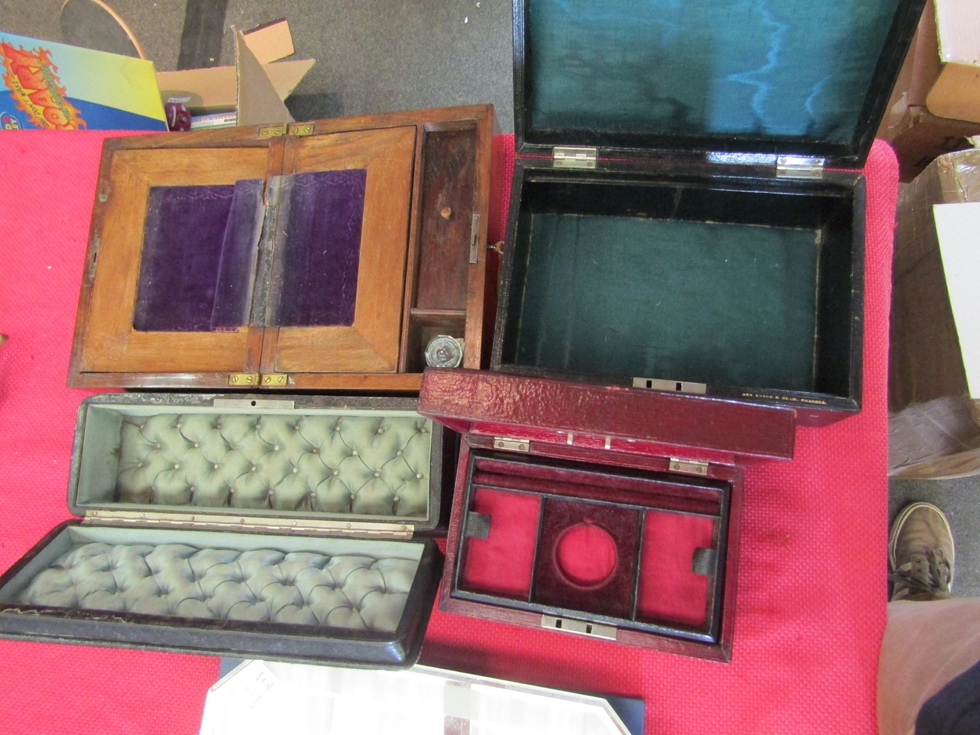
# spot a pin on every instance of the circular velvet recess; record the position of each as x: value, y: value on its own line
x: 585, y: 556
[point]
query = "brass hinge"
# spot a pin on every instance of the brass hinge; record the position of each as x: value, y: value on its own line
x: 275, y: 379
x: 299, y: 130
x: 300, y: 526
x: 799, y: 167
x: 689, y: 466
x: 271, y: 131
x: 267, y: 380
x: 674, y: 386
x: 512, y: 445
x: 570, y: 625
x: 574, y: 157
x: 243, y: 379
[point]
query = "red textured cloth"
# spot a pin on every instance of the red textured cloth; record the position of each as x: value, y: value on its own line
x: 811, y: 599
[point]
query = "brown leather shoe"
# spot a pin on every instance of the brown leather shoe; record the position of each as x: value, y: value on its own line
x: 921, y: 554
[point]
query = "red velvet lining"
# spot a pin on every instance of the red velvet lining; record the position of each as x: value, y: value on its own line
x: 586, y: 555
x: 669, y: 590
x: 502, y: 562
x: 613, y: 595
x: 592, y: 482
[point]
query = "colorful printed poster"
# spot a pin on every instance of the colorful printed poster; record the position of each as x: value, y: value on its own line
x: 57, y: 87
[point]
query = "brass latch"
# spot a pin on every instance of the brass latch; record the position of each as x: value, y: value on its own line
x: 269, y: 380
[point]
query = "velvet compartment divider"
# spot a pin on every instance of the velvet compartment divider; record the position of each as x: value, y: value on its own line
x: 624, y: 545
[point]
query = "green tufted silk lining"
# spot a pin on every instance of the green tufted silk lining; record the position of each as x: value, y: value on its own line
x: 367, y: 463
x: 356, y: 592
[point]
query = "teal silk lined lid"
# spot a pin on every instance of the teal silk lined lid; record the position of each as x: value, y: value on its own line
x: 807, y: 77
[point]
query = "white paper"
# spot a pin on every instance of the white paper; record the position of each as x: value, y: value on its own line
x: 958, y: 229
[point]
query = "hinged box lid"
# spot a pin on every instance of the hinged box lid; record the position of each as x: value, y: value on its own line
x: 354, y: 467
x: 631, y: 78
x: 518, y: 409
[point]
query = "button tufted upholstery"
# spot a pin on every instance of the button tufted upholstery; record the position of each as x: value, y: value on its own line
x: 368, y: 465
x: 349, y: 591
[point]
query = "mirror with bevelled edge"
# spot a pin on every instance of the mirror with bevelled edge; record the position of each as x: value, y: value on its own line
x: 287, y: 521
x: 297, y: 256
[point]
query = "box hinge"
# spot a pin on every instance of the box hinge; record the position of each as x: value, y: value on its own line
x: 574, y: 157
x: 243, y: 379
x: 689, y: 466
x: 511, y: 445
x: 274, y: 380
x: 570, y: 625
x: 300, y: 130
x: 299, y: 526
x: 266, y: 380
x: 799, y: 167
x: 271, y: 131
x: 674, y: 386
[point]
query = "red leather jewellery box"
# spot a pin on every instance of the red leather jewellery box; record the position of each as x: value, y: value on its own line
x: 598, y: 510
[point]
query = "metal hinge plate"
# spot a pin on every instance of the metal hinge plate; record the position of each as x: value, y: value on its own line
x: 299, y: 130
x: 243, y: 379
x: 270, y: 380
x: 303, y: 527
x: 574, y: 157
x: 570, y: 625
x: 674, y: 386
x: 512, y: 445
x: 689, y: 466
x: 271, y: 131
x: 799, y: 167
x: 266, y: 380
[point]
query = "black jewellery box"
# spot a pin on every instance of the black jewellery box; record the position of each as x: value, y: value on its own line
x: 281, y: 528
x: 686, y: 212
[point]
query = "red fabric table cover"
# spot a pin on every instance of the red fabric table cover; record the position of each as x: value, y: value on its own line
x: 812, y: 584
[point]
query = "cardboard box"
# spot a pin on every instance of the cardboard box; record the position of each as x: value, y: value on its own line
x: 955, y: 93
x: 51, y: 86
x: 254, y: 88
x: 935, y: 343
x: 935, y: 107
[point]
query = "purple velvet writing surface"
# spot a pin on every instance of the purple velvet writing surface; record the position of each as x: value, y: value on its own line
x: 198, y: 259
x: 320, y: 254
x: 181, y: 252
x: 236, y: 270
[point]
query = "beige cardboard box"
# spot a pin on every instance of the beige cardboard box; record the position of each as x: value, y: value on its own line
x: 255, y: 87
x: 919, y: 121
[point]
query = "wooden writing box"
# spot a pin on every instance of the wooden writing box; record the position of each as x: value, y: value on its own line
x: 242, y: 526
x: 601, y: 511
x: 675, y: 223
x: 321, y: 255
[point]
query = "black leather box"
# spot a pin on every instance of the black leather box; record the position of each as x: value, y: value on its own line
x: 687, y: 213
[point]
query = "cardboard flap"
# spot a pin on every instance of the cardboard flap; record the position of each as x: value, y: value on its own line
x: 258, y: 102
x: 794, y: 77
x: 461, y: 398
